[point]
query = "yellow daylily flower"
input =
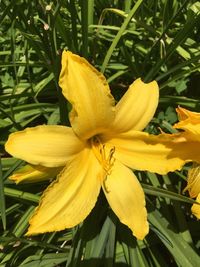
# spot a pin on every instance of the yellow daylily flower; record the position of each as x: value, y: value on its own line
x: 190, y: 123
x: 34, y: 173
x: 103, y: 142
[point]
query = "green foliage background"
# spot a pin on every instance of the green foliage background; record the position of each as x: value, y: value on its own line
x: 158, y: 39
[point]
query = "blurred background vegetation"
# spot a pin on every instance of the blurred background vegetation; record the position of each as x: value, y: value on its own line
x: 158, y: 39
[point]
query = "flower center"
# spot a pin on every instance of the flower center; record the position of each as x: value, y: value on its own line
x: 105, y: 159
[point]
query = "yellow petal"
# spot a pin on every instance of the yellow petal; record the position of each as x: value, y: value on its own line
x: 46, y: 145
x: 137, y: 107
x: 161, y: 154
x: 189, y: 122
x: 193, y: 181
x: 196, y: 208
x: 70, y: 199
x: 88, y: 92
x: 126, y: 198
x: 34, y: 173
x: 184, y: 114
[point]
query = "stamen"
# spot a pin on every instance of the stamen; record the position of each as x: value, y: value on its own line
x: 106, y: 162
